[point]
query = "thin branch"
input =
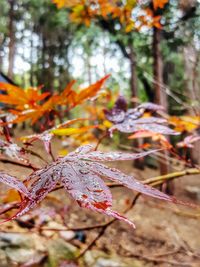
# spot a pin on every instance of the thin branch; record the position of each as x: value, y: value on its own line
x: 10, y: 207
x: 35, y: 154
x: 17, y: 163
x: 101, y: 139
x: 172, y: 175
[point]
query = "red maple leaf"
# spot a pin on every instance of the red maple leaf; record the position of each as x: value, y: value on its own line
x: 81, y: 172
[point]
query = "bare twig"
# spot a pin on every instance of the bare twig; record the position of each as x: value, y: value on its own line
x: 9, y: 207
x: 17, y: 163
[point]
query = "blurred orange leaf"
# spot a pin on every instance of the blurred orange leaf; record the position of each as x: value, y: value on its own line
x: 185, y: 123
x: 20, y: 98
x: 155, y: 137
x: 159, y: 3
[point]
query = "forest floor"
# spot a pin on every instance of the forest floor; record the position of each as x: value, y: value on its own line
x: 166, y: 234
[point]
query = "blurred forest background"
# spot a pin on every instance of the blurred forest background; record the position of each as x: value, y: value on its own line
x: 39, y: 44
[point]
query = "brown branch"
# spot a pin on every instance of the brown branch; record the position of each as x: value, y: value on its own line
x: 35, y: 154
x: 173, y: 175
x: 17, y: 163
x: 10, y: 207
x: 101, y: 139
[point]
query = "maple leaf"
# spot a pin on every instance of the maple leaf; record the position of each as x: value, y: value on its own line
x: 188, y: 141
x: 155, y: 137
x: 185, y: 123
x: 65, y: 3
x: 22, y: 99
x: 14, y: 183
x: 12, y: 150
x: 150, y: 19
x: 90, y: 91
x: 26, y: 102
x: 131, y: 120
x: 159, y: 4
x: 82, y: 13
x: 81, y: 172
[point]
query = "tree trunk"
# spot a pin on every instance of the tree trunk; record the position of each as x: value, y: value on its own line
x: 138, y: 163
x: 11, y: 45
x: 32, y: 62
x: 192, y: 62
x: 160, y: 94
x: 133, y: 78
x: 2, y: 41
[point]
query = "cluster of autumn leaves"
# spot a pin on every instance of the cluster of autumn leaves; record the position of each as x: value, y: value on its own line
x: 32, y: 104
x: 84, y: 11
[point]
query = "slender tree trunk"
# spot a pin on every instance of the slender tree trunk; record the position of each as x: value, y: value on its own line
x: 192, y: 71
x: 89, y: 68
x: 1, y: 61
x: 138, y: 163
x: 2, y: 41
x: 50, y: 71
x: 133, y: 78
x: 160, y: 94
x: 32, y: 63
x: 11, y: 45
x: 104, y: 58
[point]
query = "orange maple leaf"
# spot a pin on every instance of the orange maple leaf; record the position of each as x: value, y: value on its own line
x: 159, y: 3
x: 26, y: 102
x: 20, y: 98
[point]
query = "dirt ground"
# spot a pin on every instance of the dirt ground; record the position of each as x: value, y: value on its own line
x: 166, y: 234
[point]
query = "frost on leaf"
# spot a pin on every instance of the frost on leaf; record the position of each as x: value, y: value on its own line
x: 81, y: 173
x: 131, y: 120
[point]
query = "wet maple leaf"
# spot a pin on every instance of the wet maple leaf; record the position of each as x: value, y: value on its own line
x: 131, y: 120
x: 13, y: 182
x: 12, y: 150
x: 81, y: 172
x: 189, y: 141
x: 155, y: 137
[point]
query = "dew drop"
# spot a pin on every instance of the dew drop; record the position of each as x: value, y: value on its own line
x: 84, y: 171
